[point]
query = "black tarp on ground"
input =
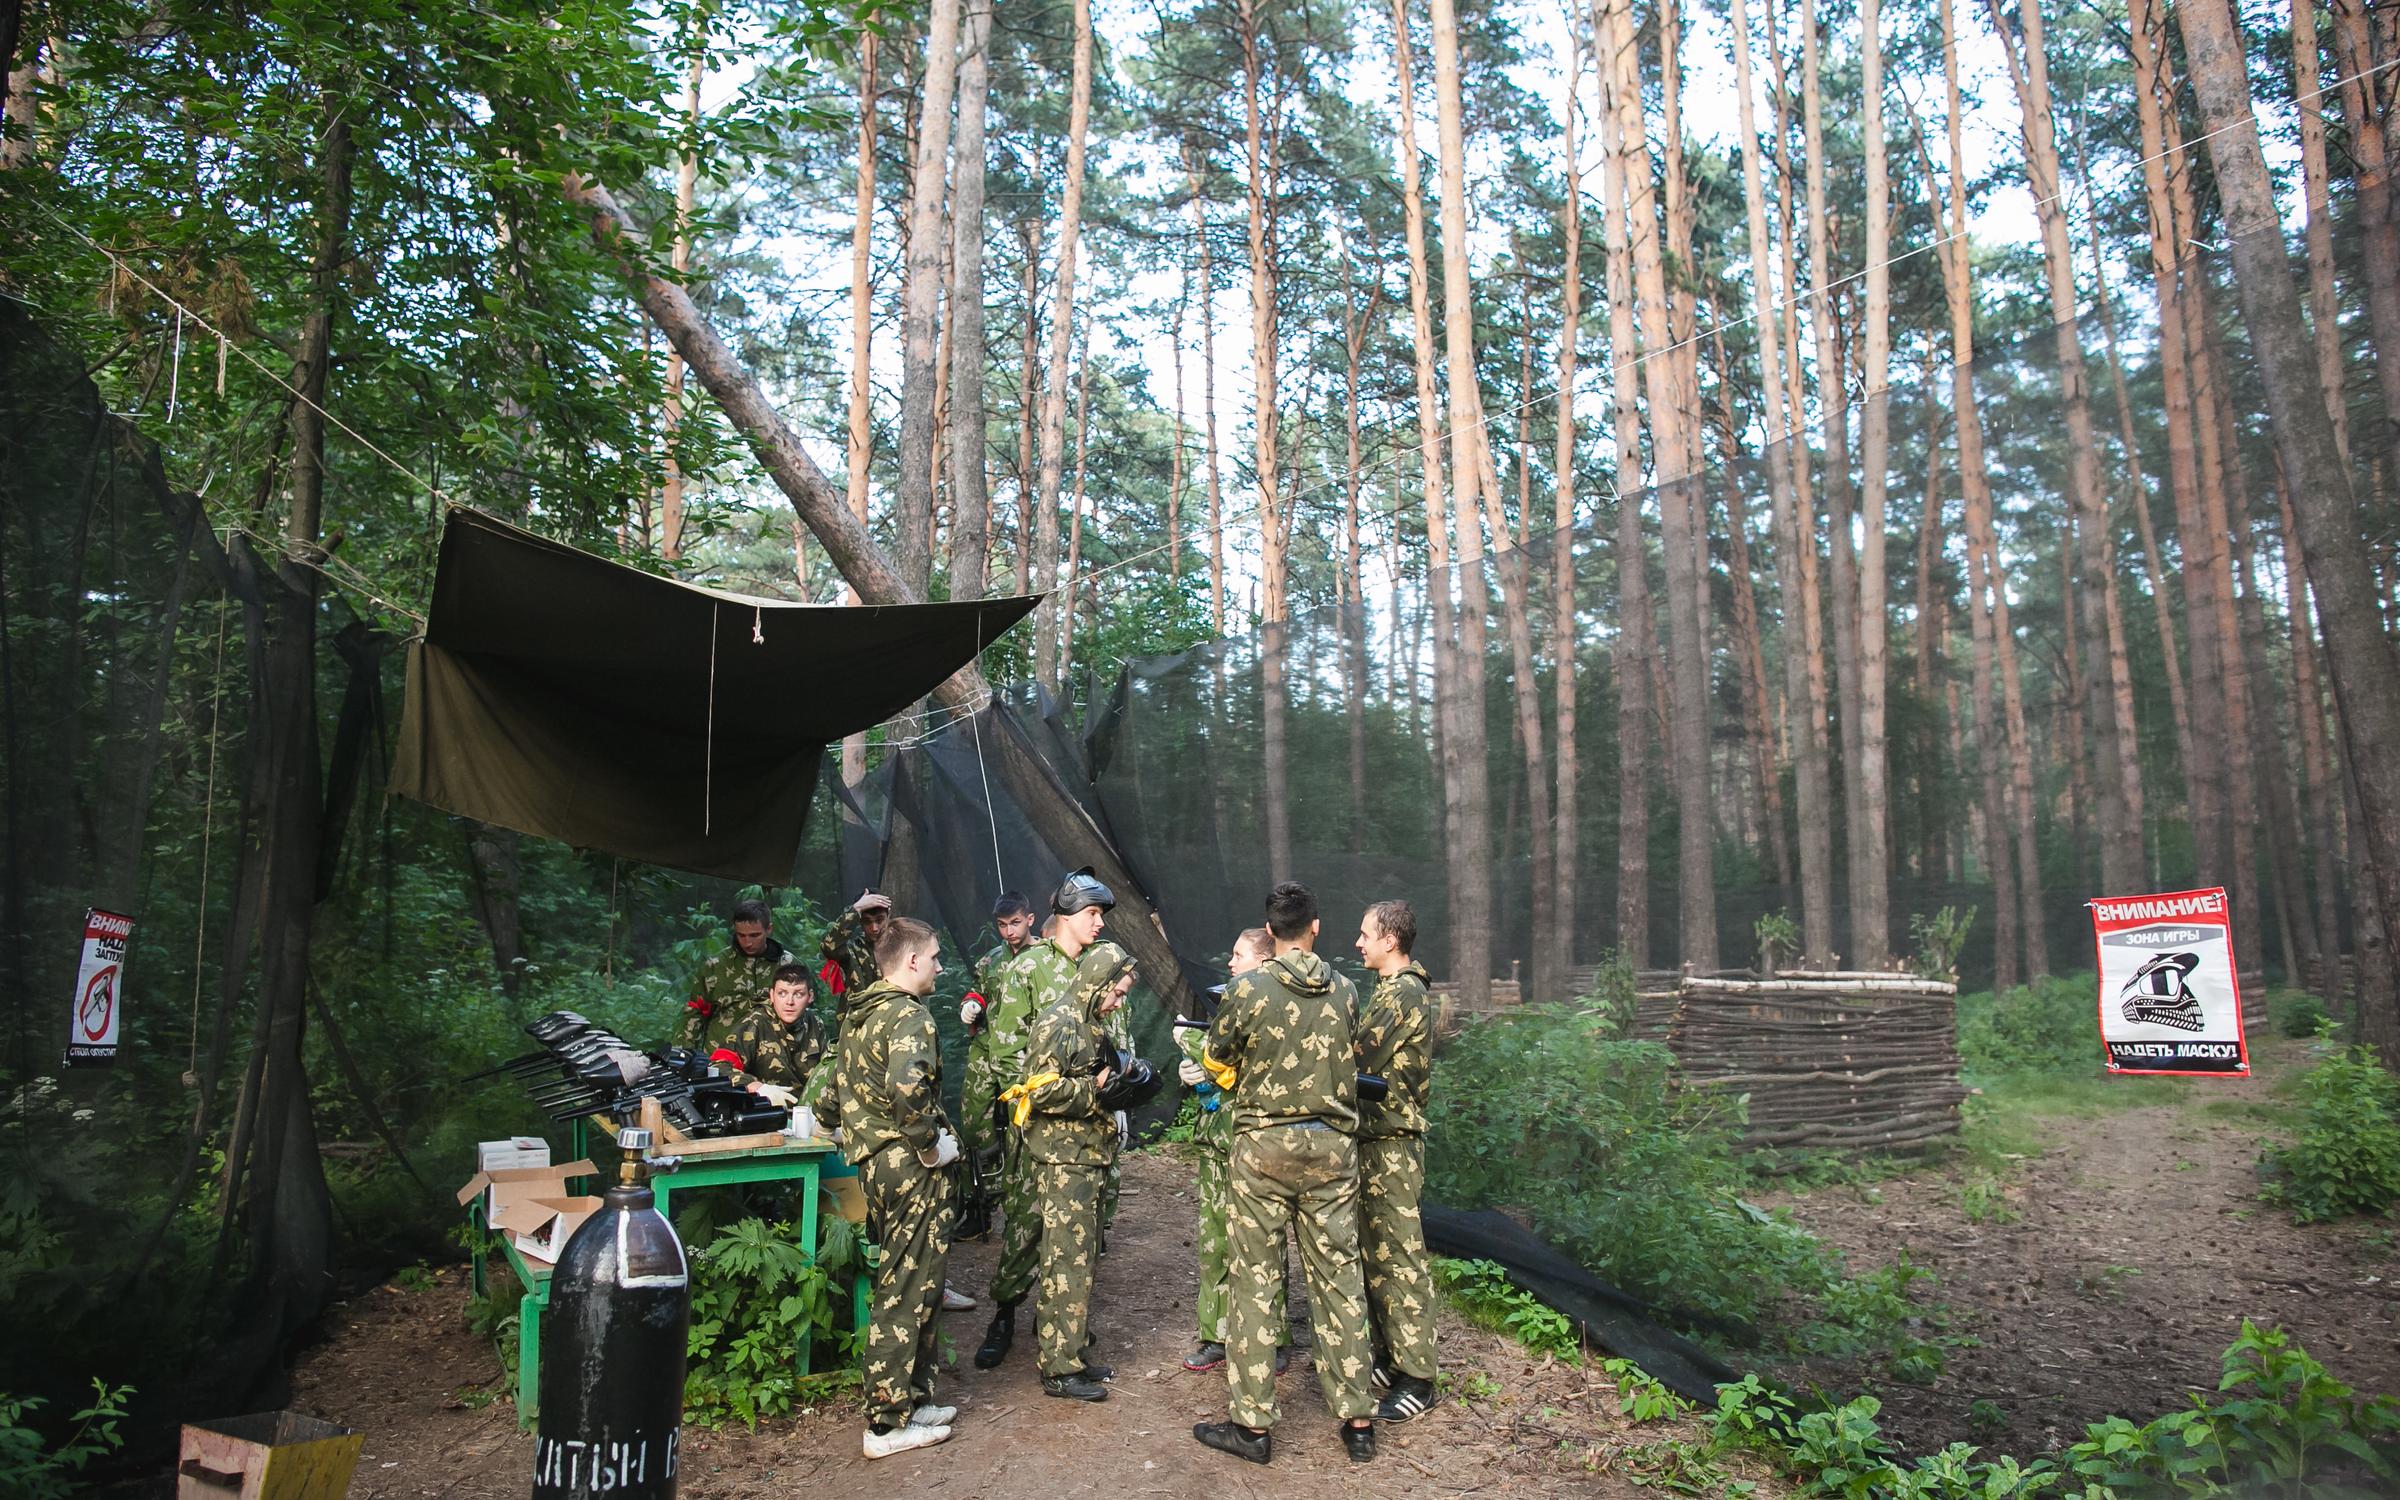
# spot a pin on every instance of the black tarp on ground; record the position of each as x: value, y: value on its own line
x: 1608, y: 1318
x: 564, y: 695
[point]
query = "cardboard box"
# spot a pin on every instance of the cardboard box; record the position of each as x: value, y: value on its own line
x: 543, y: 1226
x: 510, y: 1154
x: 512, y: 1185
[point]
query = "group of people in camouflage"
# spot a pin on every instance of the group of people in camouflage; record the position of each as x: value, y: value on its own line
x: 1312, y: 1120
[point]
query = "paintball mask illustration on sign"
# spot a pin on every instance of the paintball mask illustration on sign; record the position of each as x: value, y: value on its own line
x: 2160, y: 993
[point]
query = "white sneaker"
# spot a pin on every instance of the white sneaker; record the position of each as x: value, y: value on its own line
x: 954, y: 1300
x: 903, y: 1440
x: 930, y: 1415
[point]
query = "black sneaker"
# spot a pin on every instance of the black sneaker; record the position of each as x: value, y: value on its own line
x: 1093, y: 1370
x: 1233, y: 1438
x: 1381, y: 1376
x: 1209, y: 1356
x: 1079, y: 1386
x: 1358, y: 1442
x: 997, y: 1337
x: 1410, y: 1398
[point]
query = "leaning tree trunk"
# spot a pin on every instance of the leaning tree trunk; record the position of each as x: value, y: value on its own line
x: 2364, y: 664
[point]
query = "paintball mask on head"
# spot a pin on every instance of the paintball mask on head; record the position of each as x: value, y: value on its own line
x: 1082, y: 889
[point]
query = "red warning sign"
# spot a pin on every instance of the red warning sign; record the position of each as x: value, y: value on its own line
x: 92, y: 1027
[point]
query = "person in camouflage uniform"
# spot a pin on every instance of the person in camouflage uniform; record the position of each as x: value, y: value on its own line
x: 776, y: 1050
x: 1283, y: 1045
x: 1395, y: 1043
x: 1034, y: 981
x: 849, y: 945
x: 734, y: 983
x: 886, y: 1104
x: 991, y: 1061
x: 1071, y: 1141
x: 1212, y: 1139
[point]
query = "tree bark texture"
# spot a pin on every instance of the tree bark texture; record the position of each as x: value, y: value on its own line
x: 1047, y: 629
x: 970, y: 490
x: 920, y: 298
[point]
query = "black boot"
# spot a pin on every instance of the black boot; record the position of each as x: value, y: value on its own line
x: 1358, y: 1442
x: 998, y: 1337
x: 1233, y: 1438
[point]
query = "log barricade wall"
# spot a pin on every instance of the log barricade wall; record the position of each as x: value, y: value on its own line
x: 1832, y: 1061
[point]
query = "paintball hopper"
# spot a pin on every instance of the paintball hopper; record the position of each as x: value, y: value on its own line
x: 1136, y: 1083
x: 1082, y: 889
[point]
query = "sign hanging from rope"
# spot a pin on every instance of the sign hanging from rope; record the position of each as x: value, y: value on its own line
x: 98, y: 1008
x: 2170, y: 995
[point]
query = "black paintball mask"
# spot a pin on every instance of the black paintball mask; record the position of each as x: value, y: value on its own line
x: 1082, y: 889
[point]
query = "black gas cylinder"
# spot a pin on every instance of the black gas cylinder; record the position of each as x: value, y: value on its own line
x: 613, y: 1349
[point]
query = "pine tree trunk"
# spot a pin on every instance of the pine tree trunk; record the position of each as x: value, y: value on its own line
x: 687, y: 179
x: 1750, y: 657
x: 1353, y: 599
x: 1794, y: 523
x: 1048, y: 629
x: 1471, y: 895
x: 1429, y: 456
x: 1516, y: 602
x: 2108, y: 682
x: 1870, y: 870
x: 1564, y: 635
x: 2368, y: 87
x: 1208, y: 395
x: 1634, y: 647
x: 2316, y: 192
x: 1029, y: 397
x: 1275, y: 610
x: 2322, y: 813
x: 1070, y: 580
x: 2364, y: 665
x: 912, y: 496
x: 970, y: 491
x: 860, y: 448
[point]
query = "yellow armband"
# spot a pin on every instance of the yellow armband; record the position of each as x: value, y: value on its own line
x: 1019, y: 1096
x: 1222, y: 1074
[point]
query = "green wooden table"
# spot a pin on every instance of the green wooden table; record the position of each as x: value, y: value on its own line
x: 808, y: 1163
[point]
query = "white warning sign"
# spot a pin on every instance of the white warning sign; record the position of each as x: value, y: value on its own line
x: 99, y: 1000
x: 2170, y: 996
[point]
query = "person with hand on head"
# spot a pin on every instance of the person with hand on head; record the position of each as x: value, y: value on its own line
x: 775, y: 1051
x: 990, y: 1065
x: 1283, y: 1045
x: 1032, y: 982
x: 886, y: 1102
x: 1071, y: 1139
x: 1395, y: 1044
x: 734, y: 983
x: 849, y: 945
x: 1213, y: 1139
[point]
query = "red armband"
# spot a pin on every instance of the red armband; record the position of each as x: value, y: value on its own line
x: 701, y: 1004
x: 727, y: 1056
x: 832, y: 975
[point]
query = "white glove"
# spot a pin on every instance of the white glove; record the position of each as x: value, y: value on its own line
x: 944, y: 1152
x: 775, y: 1094
x: 1192, y: 1074
x: 1124, y: 1130
x: 970, y: 1010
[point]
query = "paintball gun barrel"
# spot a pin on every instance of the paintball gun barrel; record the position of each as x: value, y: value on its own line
x: 584, y: 1070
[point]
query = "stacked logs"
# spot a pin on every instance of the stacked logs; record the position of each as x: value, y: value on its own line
x: 1836, y: 1061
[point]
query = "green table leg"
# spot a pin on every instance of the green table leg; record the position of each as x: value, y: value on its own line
x: 808, y: 1237
x: 529, y: 1359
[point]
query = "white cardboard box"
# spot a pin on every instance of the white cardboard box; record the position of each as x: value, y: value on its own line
x: 518, y: 1184
x: 543, y: 1226
x: 510, y: 1154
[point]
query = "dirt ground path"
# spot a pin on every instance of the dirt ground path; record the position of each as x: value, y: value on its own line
x: 403, y: 1367
x: 2121, y: 1263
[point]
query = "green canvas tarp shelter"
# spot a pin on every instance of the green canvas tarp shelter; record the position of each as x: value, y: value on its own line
x: 564, y: 695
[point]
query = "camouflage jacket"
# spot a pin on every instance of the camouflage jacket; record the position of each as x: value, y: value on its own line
x: 887, y: 1074
x: 1030, y: 983
x: 762, y: 1049
x: 1288, y: 1029
x: 1213, y: 1130
x: 1071, y: 1040
x: 725, y: 991
x: 991, y: 966
x: 1395, y: 1043
x: 849, y: 958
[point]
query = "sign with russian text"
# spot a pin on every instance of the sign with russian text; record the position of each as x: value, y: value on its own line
x: 2170, y: 997
x: 99, y: 1000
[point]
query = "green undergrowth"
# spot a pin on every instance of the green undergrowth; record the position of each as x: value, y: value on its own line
x: 33, y: 1467
x: 2280, y: 1425
x: 756, y: 1294
x: 1549, y: 1114
x: 2345, y: 1158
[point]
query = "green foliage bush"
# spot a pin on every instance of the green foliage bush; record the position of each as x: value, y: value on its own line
x: 1940, y: 935
x: 753, y: 1287
x: 32, y: 1469
x: 2301, y: 1016
x: 1544, y: 1112
x: 1481, y: 1289
x: 2049, y: 1026
x: 2347, y: 1159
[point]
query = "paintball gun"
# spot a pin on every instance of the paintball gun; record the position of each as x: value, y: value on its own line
x: 584, y: 1070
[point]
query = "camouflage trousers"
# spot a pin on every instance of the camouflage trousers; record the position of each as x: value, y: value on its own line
x: 1069, y: 1201
x: 1021, y: 1225
x: 1391, y: 1248
x: 1305, y: 1177
x: 1215, y: 1253
x: 975, y: 1128
x: 908, y: 1218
